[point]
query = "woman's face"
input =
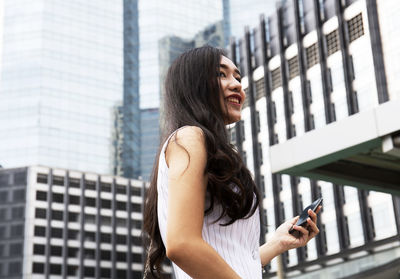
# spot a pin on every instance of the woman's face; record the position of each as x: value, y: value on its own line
x: 232, y: 94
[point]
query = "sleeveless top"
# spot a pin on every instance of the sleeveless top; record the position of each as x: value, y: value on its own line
x: 237, y: 243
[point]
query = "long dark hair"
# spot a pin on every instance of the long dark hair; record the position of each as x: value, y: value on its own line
x: 192, y: 97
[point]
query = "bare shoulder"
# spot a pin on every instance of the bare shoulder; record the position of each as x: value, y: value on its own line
x: 188, y: 142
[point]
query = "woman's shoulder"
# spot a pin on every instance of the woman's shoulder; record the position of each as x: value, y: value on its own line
x: 188, y: 140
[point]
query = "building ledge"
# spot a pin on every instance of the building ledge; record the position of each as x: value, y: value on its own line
x: 362, y: 150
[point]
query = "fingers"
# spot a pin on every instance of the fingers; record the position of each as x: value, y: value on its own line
x: 313, y: 227
x: 301, y: 229
x: 313, y: 215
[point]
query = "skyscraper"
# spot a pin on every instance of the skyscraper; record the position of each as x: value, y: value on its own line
x: 157, y: 20
x: 61, y: 75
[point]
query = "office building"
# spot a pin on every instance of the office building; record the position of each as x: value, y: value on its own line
x: 61, y: 75
x: 321, y: 119
x: 238, y: 14
x: 59, y: 223
x: 179, y: 18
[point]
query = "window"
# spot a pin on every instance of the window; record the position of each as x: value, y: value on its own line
x: 57, y: 215
x: 74, y: 200
x: 74, y: 183
x: 136, y: 240
x: 41, y: 196
x: 276, y: 78
x: 72, y: 270
x: 106, y: 238
x: 38, y: 268
x: 106, y: 204
x: 136, y: 191
x: 58, y: 180
x: 312, y: 55
x: 17, y: 230
x: 260, y: 89
x: 90, y: 236
x: 56, y: 233
x: 136, y: 207
x: 14, y: 268
x: 38, y: 249
x: 121, y: 189
x: 355, y: 27
x: 17, y: 212
x: 90, y: 202
x: 121, y: 239
x: 105, y: 220
x: 121, y: 256
x: 73, y: 252
x: 105, y: 255
x: 136, y: 258
x: 258, y: 123
x: 20, y: 178
x: 58, y: 198
x: 4, y: 180
x: 3, y: 232
x: 3, y: 214
x: 90, y: 219
x: 260, y: 155
x: 332, y: 41
x: 89, y: 253
x: 73, y: 217
x: 90, y: 185
x: 73, y: 234
x: 121, y: 273
x: 88, y: 271
x: 40, y: 213
x: 106, y: 273
x: 121, y: 222
x: 105, y: 187
x: 40, y: 231
x: 15, y: 249
x: 293, y: 67
x: 55, y: 269
x: 3, y: 196
x: 56, y: 251
x: 121, y: 205
x: 41, y: 178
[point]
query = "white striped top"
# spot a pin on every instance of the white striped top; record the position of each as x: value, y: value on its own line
x: 237, y: 243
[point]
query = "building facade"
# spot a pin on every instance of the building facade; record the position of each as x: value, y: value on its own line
x: 61, y: 75
x: 66, y: 224
x: 157, y: 20
x: 308, y: 66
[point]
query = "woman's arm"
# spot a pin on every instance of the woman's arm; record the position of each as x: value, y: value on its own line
x: 186, y: 158
x: 282, y: 241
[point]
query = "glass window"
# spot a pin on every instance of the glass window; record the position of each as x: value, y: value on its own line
x: 17, y: 212
x: 38, y: 249
x: 19, y: 195
x: 40, y: 231
x: 40, y: 213
x: 41, y: 196
x: 38, y: 268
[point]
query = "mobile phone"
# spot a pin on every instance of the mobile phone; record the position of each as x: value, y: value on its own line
x: 304, y: 215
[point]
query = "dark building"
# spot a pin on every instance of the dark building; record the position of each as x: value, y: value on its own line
x: 67, y: 224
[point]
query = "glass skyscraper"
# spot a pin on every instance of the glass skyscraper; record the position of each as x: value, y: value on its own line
x: 158, y: 20
x: 61, y: 75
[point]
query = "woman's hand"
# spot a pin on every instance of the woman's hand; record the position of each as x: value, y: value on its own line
x: 282, y: 240
x: 301, y: 236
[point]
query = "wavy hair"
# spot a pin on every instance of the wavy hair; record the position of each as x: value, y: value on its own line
x: 192, y: 97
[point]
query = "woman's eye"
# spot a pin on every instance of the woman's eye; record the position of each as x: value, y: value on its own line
x: 239, y: 79
x: 222, y: 74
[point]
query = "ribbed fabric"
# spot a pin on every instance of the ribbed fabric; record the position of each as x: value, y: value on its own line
x: 237, y: 243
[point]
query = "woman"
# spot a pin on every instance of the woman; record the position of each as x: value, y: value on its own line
x: 201, y: 209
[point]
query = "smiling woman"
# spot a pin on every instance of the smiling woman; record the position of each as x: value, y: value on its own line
x: 201, y: 210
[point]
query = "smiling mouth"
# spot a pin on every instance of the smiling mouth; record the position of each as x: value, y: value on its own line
x: 234, y: 100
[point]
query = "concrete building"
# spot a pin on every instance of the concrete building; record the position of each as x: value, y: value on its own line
x: 321, y: 120
x: 67, y: 224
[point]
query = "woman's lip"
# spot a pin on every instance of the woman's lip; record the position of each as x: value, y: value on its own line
x: 235, y: 104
